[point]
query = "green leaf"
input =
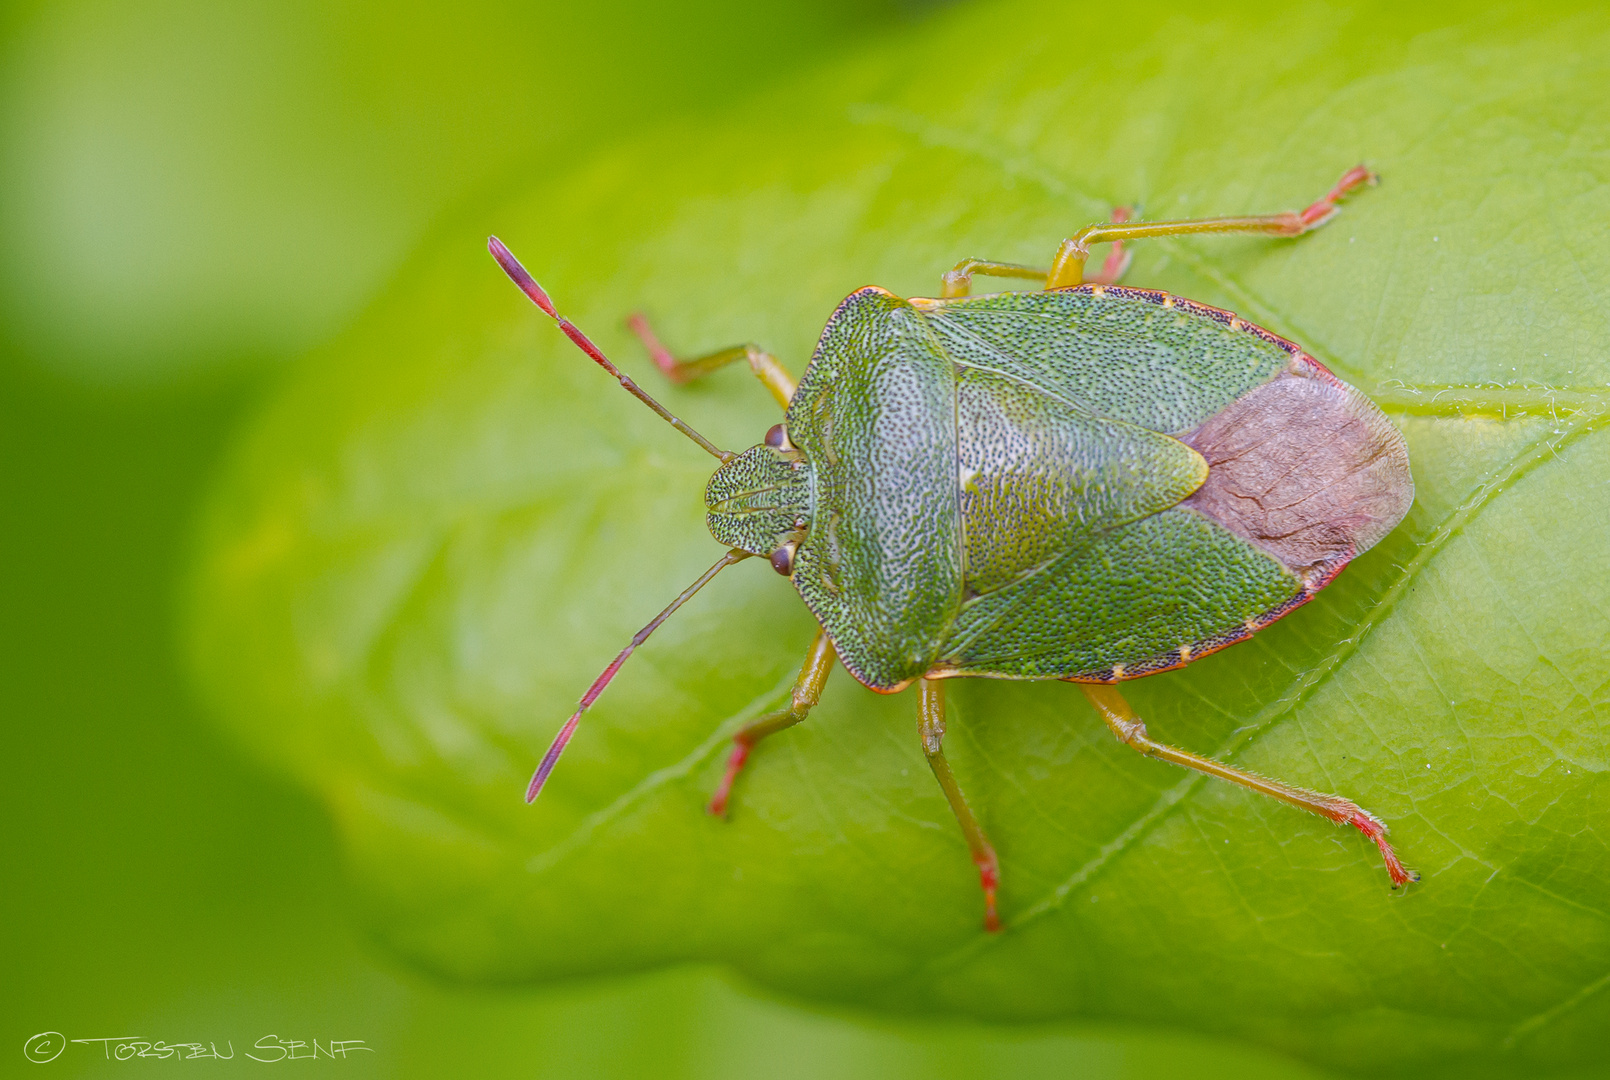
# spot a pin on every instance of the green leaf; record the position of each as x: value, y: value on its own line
x: 423, y: 552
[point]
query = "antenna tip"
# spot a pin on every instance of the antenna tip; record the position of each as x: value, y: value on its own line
x: 551, y: 758
x: 521, y: 277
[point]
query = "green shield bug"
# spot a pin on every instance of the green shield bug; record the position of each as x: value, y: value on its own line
x: 1088, y: 483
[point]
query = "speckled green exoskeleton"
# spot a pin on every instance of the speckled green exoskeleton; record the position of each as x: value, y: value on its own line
x: 1088, y: 483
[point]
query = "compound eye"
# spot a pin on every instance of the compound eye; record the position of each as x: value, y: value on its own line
x: 782, y: 560
x: 775, y: 437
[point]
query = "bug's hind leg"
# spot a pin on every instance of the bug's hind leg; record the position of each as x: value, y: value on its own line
x: 807, y: 692
x: 1069, y: 267
x: 931, y: 730
x: 764, y: 365
x: 1131, y: 730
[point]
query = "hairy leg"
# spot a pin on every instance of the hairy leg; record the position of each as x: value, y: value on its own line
x: 807, y: 692
x: 1069, y: 267
x: 764, y: 365
x: 931, y: 730
x: 1131, y: 730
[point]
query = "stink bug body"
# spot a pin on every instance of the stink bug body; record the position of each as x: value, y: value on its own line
x: 1088, y: 483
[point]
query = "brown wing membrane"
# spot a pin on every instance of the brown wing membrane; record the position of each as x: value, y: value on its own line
x: 1306, y: 468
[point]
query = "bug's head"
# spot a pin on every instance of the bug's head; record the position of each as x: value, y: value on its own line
x: 759, y: 501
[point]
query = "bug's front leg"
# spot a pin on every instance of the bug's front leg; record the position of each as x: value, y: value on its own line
x: 931, y: 730
x: 1069, y: 268
x: 807, y: 692
x: 765, y: 366
x: 1131, y: 730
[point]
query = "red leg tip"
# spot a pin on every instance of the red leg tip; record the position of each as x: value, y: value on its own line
x: 1117, y: 261
x: 1372, y: 827
x: 735, y: 764
x: 657, y: 352
x: 989, y: 877
x: 1318, y: 214
x: 1325, y: 209
x: 1355, y: 176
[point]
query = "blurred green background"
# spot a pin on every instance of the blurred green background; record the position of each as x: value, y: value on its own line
x: 192, y: 194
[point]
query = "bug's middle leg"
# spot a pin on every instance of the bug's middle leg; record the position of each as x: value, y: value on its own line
x: 931, y: 730
x: 1131, y: 731
x: 765, y: 366
x: 807, y: 692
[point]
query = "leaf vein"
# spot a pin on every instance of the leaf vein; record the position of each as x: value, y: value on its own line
x: 1533, y: 1024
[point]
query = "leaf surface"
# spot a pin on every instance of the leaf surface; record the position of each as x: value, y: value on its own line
x: 423, y: 551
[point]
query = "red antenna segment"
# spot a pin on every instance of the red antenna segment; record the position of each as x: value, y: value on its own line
x: 551, y: 758
x: 528, y: 285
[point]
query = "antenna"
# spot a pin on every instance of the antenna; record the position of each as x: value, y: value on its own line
x: 551, y: 758
x: 528, y: 285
